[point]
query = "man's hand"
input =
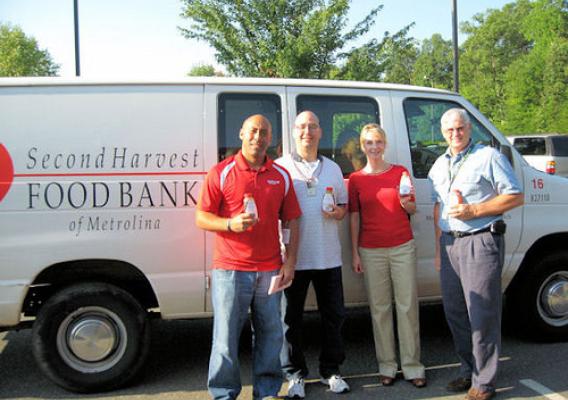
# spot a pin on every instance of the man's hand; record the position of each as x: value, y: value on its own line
x: 437, y: 261
x: 287, y: 272
x: 337, y: 213
x: 462, y: 212
x: 242, y: 222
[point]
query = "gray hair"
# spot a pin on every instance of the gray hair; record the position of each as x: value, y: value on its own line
x: 464, y: 115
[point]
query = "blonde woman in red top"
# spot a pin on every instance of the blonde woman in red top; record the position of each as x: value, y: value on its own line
x: 384, y: 252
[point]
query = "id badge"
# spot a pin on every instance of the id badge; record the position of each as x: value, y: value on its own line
x: 312, y: 187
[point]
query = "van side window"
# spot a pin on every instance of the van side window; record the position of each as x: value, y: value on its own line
x: 234, y: 108
x: 425, y: 135
x: 341, y: 120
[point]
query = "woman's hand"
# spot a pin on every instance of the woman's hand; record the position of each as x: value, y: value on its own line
x: 356, y: 263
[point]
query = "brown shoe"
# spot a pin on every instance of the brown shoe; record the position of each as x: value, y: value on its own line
x: 476, y: 394
x: 386, y: 380
x: 418, y: 382
x: 459, y: 385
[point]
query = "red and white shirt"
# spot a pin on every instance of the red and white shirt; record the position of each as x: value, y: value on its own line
x: 222, y: 194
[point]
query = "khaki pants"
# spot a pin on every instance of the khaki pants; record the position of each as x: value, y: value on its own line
x: 389, y: 271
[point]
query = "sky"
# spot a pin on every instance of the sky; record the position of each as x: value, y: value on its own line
x: 141, y: 39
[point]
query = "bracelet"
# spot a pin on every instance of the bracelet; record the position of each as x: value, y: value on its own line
x: 229, y: 225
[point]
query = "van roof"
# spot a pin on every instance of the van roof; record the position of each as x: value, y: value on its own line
x: 58, y: 81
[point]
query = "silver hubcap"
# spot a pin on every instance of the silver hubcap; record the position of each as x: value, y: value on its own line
x: 553, y: 299
x: 92, y: 339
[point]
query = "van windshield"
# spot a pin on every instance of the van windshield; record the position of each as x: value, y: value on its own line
x: 560, y: 146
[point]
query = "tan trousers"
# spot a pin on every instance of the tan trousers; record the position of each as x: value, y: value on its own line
x: 389, y: 271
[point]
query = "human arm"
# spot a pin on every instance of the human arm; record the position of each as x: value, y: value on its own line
x: 288, y: 267
x: 214, y: 223
x: 437, y: 234
x: 495, y: 206
x: 354, y: 223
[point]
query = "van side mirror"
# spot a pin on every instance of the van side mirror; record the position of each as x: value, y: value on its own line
x: 507, y: 152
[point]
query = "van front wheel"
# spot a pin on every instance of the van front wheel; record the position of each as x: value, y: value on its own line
x: 541, y: 299
x: 91, y: 337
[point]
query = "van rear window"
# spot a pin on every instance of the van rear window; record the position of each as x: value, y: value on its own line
x: 559, y: 146
x: 530, y: 146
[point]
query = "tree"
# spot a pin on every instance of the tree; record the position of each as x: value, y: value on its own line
x: 434, y: 64
x: 537, y: 82
x: 495, y: 41
x: 390, y: 60
x: 21, y: 56
x: 274, y: 38
x: 514, y: 66
x: 204, y: 70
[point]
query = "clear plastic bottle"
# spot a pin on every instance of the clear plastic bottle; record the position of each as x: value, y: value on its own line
x: 455, y: 198
x: 405, y: 186
x: 328, y: 200
x: 250, y: 205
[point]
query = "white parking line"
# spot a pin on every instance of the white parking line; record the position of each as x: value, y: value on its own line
x: 541, y: 389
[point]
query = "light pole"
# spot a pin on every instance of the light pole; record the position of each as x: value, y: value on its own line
x: 455, y: 45
x: 76, y: 15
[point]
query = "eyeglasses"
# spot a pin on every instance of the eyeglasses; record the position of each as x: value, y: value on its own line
x: 310, y: 127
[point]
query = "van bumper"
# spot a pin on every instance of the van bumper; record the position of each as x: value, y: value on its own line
x: 11, y: 297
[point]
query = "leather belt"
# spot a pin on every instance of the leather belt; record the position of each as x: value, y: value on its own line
x: 459, y: 234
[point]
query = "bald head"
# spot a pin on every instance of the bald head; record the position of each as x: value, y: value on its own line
x: 307, y: 115
x: 257, y: 119
x: 307, y: 134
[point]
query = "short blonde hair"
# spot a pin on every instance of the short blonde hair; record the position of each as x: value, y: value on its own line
x: 373, y: 128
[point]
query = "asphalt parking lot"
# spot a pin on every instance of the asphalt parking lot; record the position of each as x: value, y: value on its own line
x: 177, y: 365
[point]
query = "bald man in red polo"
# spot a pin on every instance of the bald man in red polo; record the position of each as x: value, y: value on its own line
x: 247, y: 256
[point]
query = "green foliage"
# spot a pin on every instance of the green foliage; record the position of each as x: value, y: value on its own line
x: 537, y: 82
x: 204, y: 70
x: 274, y: 38
x: 434, y: 64
x: 390, y: 60
x: 495, y: 41
x: 20, y: 55
x: 514, y: 66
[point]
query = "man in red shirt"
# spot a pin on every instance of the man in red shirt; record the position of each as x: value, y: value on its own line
x: 247, y: 256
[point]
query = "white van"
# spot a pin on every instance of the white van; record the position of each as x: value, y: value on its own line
x: 99, y: 182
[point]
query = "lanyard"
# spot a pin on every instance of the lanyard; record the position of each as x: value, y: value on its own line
x: 315, y: 173
x: 452, y: 176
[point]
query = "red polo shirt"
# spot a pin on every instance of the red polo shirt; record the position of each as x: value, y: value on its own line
x: 222, y: 194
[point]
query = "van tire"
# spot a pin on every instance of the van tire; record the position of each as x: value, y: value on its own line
x: 91, y: 337
x: 536, y: 316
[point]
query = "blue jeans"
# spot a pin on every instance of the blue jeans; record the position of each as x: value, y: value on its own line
x: 232, y: 293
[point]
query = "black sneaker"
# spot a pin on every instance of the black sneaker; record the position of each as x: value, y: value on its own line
x: 459, y: 385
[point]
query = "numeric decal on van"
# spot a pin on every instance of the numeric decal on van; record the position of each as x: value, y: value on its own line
x: 537, y: 183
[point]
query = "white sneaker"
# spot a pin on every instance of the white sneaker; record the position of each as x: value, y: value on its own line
x: 296, y: 388
x: 336, y: 384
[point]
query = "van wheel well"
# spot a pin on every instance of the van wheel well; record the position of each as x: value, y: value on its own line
x: 537, y: 298
x: 118, y: 273
x: 545, y: 245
